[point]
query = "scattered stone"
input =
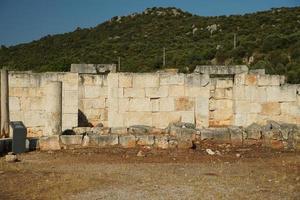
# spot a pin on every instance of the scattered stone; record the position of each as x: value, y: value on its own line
x: 119, y: 130
x: 127, y: 141
x: 238, y: 155
x: 162, y: 141
x: 85, y: 141
x: 101, y: 130
x: 11, y: 157
x: 173, y: 143
x: 183, y: 125
x: 108, y: 140
x: 219, y: 135
x: 145, y: 140
x: 218, y: 153
x: 1, y: 172
x: 140, y: 154
x: 210, y: 152
x: 71, y: 139
x: 47, y: 143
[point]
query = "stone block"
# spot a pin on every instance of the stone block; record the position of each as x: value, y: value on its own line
x: 168, y: 79
x: 176, y: 90
x: 254, y: 131
x: 14, y: 104
x: 37, y: 104
x: 196, y: 80
x: 115, y: 119
x: 113, y: 80
x: 47, y: 143
x: 125, y: 80
x: 70, y: 98
x: 161, y: 141
x: 69, y: 120
x: 201, y: 111
x: 116, y: 92
x: 221, y: 135
x: 197, y: 91
x: 119, y: 130
x: 184, y: 104
x: 138, y: 118
x: 155, y: 102
x: 95, y: 91
x: 145, y: 140
x: 127, y: 141
x: 291, y: 108
x: 188, y: 116
x: 140, y: 104
x: 224, y: 83
x: 108, y: 140
x: 251, y: 79
x: 143, y: 80
x: 71, y: 139
x: 246, y: 107
x: 34, y: 118
x: 123, y: 105
x: 166, y: 104
x: 237, y: 135
x: 162, y: 119
x: 156, y: 92
x: 270, y: 108
x: 239, y: 79
x: 134, y: 92
x: 113, y: 104
x: 268, y: 80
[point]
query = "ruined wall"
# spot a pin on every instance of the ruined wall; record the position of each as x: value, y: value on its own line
x: 93, y: 106
x: 156, y: 99
x: 259, y: 97
x: 27, y: 99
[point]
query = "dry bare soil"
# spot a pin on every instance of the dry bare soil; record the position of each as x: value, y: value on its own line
x: 115, y: 173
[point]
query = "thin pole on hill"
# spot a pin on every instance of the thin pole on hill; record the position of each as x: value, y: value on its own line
x: 119, y: 64
x: 164, y: 56
x: 234, y: 40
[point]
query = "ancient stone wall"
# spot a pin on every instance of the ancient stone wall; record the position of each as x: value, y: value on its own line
x: 93, y: 106
x: 262, y: 97
x: 156, y: 99
x: 27, y: 101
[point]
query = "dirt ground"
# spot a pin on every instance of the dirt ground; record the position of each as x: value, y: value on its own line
x: 114, y: 173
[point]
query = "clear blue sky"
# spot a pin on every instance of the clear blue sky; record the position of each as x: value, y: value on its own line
x: 26, y: 20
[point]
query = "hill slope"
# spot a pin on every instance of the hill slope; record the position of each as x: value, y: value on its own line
x: 269, y: 39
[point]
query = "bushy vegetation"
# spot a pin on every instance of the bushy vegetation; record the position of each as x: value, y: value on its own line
x: 269, y: 40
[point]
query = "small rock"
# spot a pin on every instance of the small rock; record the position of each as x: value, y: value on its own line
x: 11, y: 158
x: 238, y: 155
x: 86, y: 141
x: 210, y: 152
x: 140, y: 154
x: 218, y: 153
x: 1, y: 172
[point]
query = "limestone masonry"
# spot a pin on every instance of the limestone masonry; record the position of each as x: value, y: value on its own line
x: 212, y: 96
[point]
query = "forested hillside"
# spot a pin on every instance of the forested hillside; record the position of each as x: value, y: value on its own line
x: 269, y: 40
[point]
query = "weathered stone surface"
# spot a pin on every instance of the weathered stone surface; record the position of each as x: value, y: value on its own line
x: 11, y: 158
x: 184, y: 104
x: 237, y: 135
x: 47, y: 143
x: 216, y: 134
x: 145, y: 140
x: 166, y: 104
x: 127, y: 141
x: 107, y: 140
x: 173, y: 143
x: 82, y: 130
x: 254, y: 131
x: 139, y: 129
x: 85, y: 141
x: 71, y: 139
x: 119, y: 130
x: 161, y: 91
x: 162, y: 141
x: 271, y: 108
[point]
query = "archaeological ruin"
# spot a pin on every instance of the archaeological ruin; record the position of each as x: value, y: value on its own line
x: 93, y: 104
